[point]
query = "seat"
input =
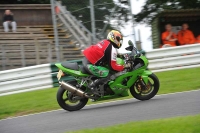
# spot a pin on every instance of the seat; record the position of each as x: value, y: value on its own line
x: 82, y: 69
x: 73, y: 66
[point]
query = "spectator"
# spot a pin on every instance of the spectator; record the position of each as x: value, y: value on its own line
x: 168, y: 37
x: 8, y: 20
x: 185, y: 36
x: 198, y: 39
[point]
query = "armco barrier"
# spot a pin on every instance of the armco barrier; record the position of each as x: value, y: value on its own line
x: 30, y: 78
x: 173, y: 51
x: 25, y: 72
x: 44, y: 76
x: 174, y: 62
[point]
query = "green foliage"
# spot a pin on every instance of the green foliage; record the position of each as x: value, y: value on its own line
x: 183, y: 124
x: 24, y: 1
x: 152, y: 7
x: 102, y: 8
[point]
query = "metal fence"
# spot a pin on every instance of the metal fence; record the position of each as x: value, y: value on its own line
x: 44, y: 76
x: 23, y: 54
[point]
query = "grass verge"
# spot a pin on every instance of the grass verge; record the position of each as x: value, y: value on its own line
x: 45, y: 100
x: 183, y: 124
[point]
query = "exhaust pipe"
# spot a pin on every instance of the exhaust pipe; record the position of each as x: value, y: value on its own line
x: 72, y: 89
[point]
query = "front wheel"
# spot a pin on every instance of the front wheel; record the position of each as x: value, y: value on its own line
x: 145, y: 92
x: 68, y: 102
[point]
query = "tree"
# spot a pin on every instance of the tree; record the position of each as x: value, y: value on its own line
x: 103, y: 9
x: 24, y: 1
x: 154, y: 7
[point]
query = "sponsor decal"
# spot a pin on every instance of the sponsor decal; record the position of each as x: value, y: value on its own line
x: 99, y: 45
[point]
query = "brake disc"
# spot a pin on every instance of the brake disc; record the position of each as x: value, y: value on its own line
x: 71, y: 97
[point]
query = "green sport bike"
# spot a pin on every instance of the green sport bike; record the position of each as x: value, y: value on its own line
x: 74, y: 94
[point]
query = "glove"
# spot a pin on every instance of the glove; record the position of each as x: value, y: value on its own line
x: 127, y: 66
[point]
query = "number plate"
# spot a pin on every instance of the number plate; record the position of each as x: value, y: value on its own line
x: 59, y: 75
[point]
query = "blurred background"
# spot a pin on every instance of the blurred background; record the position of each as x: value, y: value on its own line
x: 50, y: 31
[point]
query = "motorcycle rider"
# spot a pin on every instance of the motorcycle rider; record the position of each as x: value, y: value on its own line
x: 104, y: 53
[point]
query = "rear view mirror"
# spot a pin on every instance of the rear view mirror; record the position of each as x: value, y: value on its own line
x: 130, y: 43
x: 131, y: 47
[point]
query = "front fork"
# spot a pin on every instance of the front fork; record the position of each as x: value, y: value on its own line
x: 143, y: 83
x: 144, y: 78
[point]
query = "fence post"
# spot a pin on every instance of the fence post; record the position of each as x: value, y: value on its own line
x: 3, y: 58
x: 49, y: 52
x: 132, y: 18
x: 61, y: 53
x: 139, y: 43
x: 92, y: 21
x: 37, y: 53
x: 22, y: 55
x: 55, y: 29
x: 90, y: 39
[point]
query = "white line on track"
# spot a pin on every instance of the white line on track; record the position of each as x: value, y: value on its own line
x: 96, y: 104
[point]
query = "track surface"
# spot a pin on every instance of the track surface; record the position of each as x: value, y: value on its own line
x: 105, y: 114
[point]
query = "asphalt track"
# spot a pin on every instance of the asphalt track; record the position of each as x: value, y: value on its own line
x: 59, y: 121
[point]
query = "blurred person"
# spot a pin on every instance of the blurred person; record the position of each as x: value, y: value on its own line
x: 8, y: 20
x: 102, y: 54
x: 185, y: 36
x: 198, y: 39
x: 169, y: 37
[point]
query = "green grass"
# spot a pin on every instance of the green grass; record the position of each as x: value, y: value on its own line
x: 179, y: 80
x: 183, y: 124
x: 45, y: 100
x: 28, y: 102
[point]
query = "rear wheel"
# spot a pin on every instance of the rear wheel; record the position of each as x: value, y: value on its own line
x: 141, y: 92
x: 68, y: 101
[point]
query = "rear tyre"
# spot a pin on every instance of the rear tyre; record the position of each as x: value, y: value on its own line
x: 65, y: 99
x: 147, y: 93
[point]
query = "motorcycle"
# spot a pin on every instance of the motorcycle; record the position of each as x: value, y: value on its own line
x: 74, y: 94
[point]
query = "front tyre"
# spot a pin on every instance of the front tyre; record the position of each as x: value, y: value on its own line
x: 67, y: 101
x: 141, y: 92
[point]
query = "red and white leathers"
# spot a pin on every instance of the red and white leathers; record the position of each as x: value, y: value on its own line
x: 103, y: 52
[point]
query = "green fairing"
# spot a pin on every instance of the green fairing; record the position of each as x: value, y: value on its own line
x: 146, y: 73
x: 117, y: 83
x: 146, y: 62
x: 98, y: 71
x: 120, y: 61
x: 145, y: 76
x: 71, y: 72
x: 134, y: 76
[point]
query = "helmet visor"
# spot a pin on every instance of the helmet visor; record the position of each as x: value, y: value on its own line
x: 121, y: 41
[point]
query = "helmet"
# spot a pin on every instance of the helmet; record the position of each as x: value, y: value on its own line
x: 115, y: 37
